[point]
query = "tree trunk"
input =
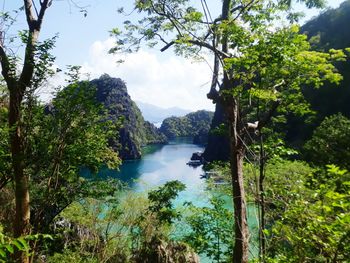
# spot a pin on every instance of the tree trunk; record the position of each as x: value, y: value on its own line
x: 17, y: 87
x: 22, y: 216
x: 262, y: 202
x: 241, y: 246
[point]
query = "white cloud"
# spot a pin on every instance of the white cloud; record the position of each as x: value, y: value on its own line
x: 159, y: 79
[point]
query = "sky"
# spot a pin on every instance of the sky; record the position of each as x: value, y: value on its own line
x: 151, y: 76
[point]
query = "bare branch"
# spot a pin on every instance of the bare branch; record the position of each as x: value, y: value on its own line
x: 34, y: 29
x: 44, y: 5
x: 28, y: 6
x: 234, y: 9
x: 245, y: 8
x: 210, y: 47
x: 161, y: 38
x: 167, y: 46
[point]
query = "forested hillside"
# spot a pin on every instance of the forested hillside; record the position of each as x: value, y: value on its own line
x: 195, y: 124
x: 135, y: 131
x: 325, y: 32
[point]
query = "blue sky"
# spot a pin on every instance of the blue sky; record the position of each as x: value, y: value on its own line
x: 151, y: 76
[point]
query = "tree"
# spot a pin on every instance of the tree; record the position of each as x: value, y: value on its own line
x: 74, y: 133
x: 17, y: 86
x: 5, y: 167
x: 62, y: 138
x: 332, y: 138
x: 209, y: 231
x: 313, y: 225
x: 261, y: 64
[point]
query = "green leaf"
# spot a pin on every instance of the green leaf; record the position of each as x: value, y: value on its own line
x: 24, y: 243
x: 2, y: 253
x: 17, y: 244
x: 9, y: 248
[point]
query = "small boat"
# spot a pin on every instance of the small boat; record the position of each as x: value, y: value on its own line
x: 197, y: 156
x: 194, y: 163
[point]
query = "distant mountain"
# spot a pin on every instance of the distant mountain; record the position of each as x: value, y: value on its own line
x: 155, y: 114
x: 135, y: 132
x: 195, y: 124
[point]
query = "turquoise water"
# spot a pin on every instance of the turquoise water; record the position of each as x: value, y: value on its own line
x: 162, y: 163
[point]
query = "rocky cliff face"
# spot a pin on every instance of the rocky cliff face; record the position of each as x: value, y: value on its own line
x: 218, y: 147
x: 135, y: 132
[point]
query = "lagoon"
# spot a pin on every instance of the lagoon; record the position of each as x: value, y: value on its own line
x: 162, y: 163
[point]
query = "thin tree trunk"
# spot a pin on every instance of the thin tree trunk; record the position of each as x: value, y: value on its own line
x: 22, y: 216
x: 241, y: 246
x: 262, y: 202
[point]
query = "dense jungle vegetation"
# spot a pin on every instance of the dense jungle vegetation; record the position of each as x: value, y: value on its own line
x: 195, y: 124
x: 282, y: 116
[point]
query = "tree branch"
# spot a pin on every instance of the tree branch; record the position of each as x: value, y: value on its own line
x: 34, y: 29
x: 44, y: 5
x: 167, y: 46
x: 28, y: 6
x: 210, y: 47
x: 5, y: 65
x: 258, y: 125
x: 4, y: 181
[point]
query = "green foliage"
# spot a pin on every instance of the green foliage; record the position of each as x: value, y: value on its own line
x: 275, y: 65
x: 96, y: 230
x: 119, y: 228
x: 9, y: 245
x: 73, y: 133
x: 71, y: 256
x: 330, y: 142
x: 5, y: 158
x: 284, y: 182
x: 326, y: 32
x: 191, y: 125
x: 161, y: 201
x: 307, y: 211
x: 210, y: 230
x: 315, y: 227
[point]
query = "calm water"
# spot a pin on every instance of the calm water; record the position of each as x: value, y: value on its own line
x: 162, y: 163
